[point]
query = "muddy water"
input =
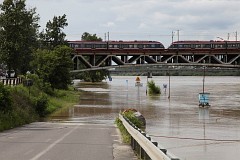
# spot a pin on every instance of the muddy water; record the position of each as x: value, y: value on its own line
x: 178, y: 124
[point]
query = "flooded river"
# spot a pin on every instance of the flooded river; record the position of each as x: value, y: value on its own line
x: 178, y: 124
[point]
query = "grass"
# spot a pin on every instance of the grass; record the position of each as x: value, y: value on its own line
x: 63, y: 100
x: 126, y: 137
x: 24, y: 109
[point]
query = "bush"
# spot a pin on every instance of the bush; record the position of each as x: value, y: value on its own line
x: 130, y: 115
x: 41, y: 104
x: 5, y: 99
x: 152, y: 88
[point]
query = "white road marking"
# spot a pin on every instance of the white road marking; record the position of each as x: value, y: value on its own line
x: 53, y: 144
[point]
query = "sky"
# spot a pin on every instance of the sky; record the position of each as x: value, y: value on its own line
x: 144, y: 19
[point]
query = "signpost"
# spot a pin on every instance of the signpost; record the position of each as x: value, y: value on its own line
x: 204, y: 97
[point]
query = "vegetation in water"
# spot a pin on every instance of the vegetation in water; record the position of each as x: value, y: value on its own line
x: 153, y: 89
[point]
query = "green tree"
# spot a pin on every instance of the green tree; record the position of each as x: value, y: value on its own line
x: 18, y: 34
x: 92, y: 76
x: 53, y: 66
x: 53, y: 35
x: 90, y: 37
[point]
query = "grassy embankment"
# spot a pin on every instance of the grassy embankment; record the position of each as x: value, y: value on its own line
x: 31, y: 104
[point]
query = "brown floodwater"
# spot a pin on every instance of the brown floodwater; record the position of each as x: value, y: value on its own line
x: 178, y: 124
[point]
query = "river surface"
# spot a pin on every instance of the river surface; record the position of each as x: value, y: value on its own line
x: 178, y: 124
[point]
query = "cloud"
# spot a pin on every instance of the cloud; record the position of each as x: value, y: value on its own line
x: 154, y: 17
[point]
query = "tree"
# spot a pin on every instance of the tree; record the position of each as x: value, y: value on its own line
x: 18, y: 34
x: 53, y: 35
x: 90, y: 37
x: 92, y: 76
x: 53, y: 66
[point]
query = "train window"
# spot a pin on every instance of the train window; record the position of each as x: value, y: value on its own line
x: 135, y: 46
x: 219, y: 46
x: 206, y: 46
x: 153, y: 46
x: 198, y: 46
x: 100, y: 45
x: 140, y: 46
x: 110, y: 46
x: 88, y: 46
x: 125, y: 46
x: 180, y: 46
x: 131, y: 46
x: 232, y: 45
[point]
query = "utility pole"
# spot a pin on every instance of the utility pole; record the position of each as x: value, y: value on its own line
x: 236, y: 35
x: 228, y: 36
x: 178, y: 34
x: 108, y: 35
x: 172, y: 36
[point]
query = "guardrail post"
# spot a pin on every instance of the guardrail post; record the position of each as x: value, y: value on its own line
x: 132, y: 143
x: 142, y: 153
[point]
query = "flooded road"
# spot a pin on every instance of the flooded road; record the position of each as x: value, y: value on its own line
x: 178, y: 124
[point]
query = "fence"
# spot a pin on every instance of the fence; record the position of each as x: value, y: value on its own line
x: 11, y: 81
x: 143, y: 144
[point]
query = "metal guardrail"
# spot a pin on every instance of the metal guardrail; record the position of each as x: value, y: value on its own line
x: 143, y: 145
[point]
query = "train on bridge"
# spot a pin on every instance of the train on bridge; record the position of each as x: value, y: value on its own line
x: 95, y: 54
x: 179, y: 45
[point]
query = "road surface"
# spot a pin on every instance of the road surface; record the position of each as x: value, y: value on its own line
x: 63, y: 141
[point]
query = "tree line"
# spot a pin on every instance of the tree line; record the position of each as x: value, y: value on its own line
x: 24, y: 48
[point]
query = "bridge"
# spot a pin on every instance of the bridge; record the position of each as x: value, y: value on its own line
x: 94, y: 59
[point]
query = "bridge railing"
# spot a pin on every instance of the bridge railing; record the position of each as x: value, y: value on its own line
x: 145, y: 147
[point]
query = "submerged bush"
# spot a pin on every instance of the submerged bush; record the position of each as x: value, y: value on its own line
x: 152, y: 88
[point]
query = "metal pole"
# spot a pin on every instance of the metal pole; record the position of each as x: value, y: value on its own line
x: 178, y: 34
x: 203, y: 77
x: 147, y: 85
x: 169, y: 80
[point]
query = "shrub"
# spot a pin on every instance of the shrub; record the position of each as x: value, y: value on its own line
x: 41, y: 104
x: 130, y: 115
x: 5, y: 98
x: 152, y: 88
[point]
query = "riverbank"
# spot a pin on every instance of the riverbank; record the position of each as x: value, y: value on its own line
x: 28, y: 105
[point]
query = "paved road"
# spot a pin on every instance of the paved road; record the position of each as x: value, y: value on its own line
x: 63, y: 141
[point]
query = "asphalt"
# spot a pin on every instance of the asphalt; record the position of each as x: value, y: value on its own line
x: 64, y: 141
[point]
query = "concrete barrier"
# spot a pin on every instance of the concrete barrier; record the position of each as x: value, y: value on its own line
x: 143, y: 144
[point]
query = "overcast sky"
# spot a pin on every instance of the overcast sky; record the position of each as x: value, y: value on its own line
x: 144, y: 19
